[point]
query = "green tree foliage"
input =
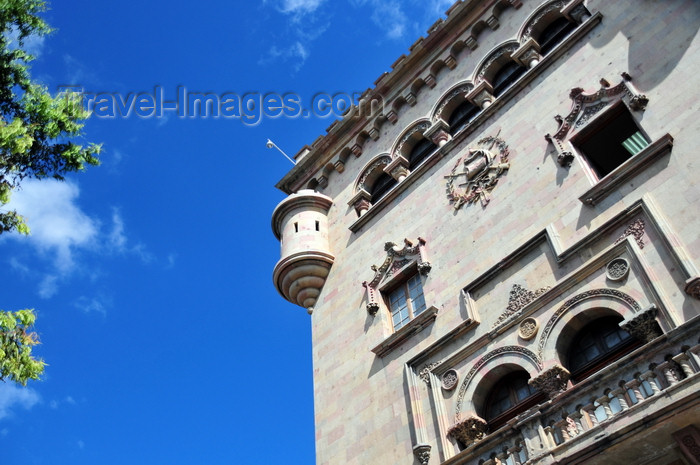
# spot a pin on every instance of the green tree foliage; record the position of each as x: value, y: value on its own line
x: 37, y: 130
x: 16, y: 342
x: 37, y: 134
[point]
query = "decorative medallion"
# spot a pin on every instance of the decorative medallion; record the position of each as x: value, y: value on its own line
x: 449, y: 380
x: 475, y: 174
x: 528, y: 328
x: 617, y: 269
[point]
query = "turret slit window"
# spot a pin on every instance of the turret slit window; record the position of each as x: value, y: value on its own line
x: 406, y: 301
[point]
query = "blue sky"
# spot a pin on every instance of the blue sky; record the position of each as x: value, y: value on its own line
x: 151, y: 274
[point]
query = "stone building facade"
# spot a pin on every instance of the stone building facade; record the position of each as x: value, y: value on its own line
x: 501, y: 264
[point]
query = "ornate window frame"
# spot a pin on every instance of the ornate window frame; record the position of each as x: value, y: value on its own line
x: 590, y: 110
x: 399, y: 265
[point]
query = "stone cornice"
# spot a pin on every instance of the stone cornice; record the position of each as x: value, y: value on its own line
x: 424, y: 53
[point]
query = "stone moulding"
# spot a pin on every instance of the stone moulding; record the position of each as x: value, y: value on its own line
x: 631, y: 167
x: 396, y: 261
x: 482, y: 361
x: 414, y: 326
x: 612, y: 293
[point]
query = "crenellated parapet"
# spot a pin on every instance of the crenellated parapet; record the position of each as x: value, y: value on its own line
x: 300, y: 222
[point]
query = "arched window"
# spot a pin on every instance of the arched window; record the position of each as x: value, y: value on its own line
x: 554, y: 34
x: 381, y: 186
x: 510, y: 396
x: 598, y: 344
x: 420, y: 152
x: 461, y: 116
x: 505, y: 77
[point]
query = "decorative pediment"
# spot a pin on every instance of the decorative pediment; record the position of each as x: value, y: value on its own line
x: 397, y: 261
x: 519, y: 298
x: 585, y: 106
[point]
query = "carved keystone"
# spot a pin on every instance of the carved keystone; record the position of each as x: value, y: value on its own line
x: 470, y: 430
x: 552, y: 381
x: 643, y: 325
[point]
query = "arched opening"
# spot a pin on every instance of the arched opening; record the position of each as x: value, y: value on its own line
x: 381, y: 186
x: 598, y: 344
x: 510, y: 396
x: 554, y: 33
x: 461, y: 116
x: 420, y: 152
x: 505, y: 77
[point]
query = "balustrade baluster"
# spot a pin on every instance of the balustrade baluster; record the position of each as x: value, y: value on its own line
x: 650, y: 377
x: 684, y: 361
x: 576, y: 417
x: 590, y: 412
x: 634, y: 385
x: 605, y: 402
x: 620, y: 394
x: 563, y: 430
x: 514, y: 453
x: 669, y: 371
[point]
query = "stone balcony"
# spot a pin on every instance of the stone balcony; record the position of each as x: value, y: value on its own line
x: 626, y: 413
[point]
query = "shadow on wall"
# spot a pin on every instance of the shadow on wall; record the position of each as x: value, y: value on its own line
x: 682, y: 16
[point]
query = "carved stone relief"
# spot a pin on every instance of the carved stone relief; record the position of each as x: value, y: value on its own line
x: 470, y: 430
x: 422, y: 453
x: 450, y: 379
x: 519, y: 298
x: 476, y: 174
x: 635, y: 229
x: 617, y: 269
x: 424, y: 374
x: 528, y: 328
x: 643, y: 325
x: 552, y: 382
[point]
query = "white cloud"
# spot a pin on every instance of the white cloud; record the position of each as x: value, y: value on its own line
x: 299, y: 7
x: 13, y: 397
x: 390, y: 17
x: 63, y: 234
x: 58, y: 225
x: 93, y: 304
x: 296, y: 53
